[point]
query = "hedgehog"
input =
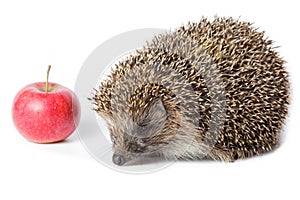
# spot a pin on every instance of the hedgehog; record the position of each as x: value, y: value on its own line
x: 216, y: 89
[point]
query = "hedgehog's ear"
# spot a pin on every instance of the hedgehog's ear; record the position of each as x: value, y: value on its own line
x: 157, y: 111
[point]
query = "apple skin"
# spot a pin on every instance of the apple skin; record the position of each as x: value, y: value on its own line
x: 46, y: 117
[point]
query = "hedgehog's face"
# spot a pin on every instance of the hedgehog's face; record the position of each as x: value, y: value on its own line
x: 139, y: 134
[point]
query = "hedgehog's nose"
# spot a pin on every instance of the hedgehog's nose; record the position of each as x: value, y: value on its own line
x: 118, y: 159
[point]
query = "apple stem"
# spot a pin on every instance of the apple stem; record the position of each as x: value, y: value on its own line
x: 47, y: 85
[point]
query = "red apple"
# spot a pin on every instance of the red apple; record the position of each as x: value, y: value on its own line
x: 46, y: 112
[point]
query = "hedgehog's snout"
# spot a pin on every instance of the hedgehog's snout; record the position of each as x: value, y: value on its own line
x: 119, y: 159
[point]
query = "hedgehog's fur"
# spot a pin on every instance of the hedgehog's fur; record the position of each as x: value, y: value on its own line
x: 213, y: 90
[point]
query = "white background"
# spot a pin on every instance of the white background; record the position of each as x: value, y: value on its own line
x: 34, y: 34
